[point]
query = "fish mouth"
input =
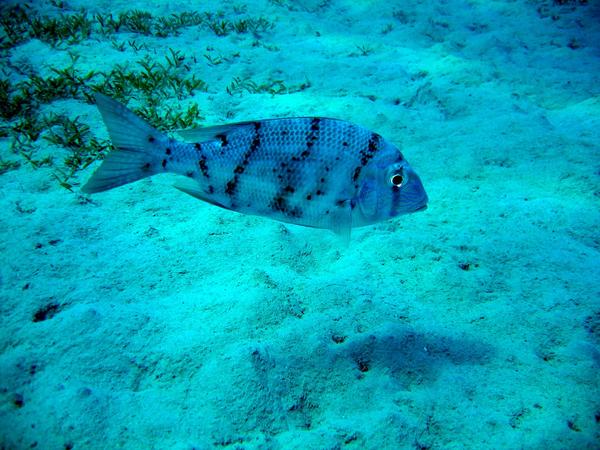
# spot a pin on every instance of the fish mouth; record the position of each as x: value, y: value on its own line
x: 421, y: 208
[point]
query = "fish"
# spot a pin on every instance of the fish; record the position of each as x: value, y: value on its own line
x: 311, y: 171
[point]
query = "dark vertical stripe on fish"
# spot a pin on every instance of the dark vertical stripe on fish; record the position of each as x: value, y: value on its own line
x: 231, y: 185
x: 367, y: 154
x: 311, y: 137
x: 314, y: 132
x: 280, y: 203
x: 202, y: 160
x: 223, y: 139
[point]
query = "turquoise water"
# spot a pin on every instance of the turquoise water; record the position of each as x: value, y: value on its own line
x: 144, y: 318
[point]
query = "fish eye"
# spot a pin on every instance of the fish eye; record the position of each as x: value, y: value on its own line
x: 397, y: 179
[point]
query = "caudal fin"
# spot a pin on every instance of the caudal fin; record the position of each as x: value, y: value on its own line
x: 136, y: 146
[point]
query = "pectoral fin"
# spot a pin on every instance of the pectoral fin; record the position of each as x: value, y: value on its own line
x: 367, y: 199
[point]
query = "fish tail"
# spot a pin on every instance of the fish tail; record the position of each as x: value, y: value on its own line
x: 137, y: 148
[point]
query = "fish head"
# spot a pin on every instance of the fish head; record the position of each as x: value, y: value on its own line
x: 389, y: 187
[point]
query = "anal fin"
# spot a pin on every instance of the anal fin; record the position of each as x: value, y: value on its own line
x: 196, y: 191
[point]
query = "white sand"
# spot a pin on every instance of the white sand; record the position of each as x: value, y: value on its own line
x: 181, y: 325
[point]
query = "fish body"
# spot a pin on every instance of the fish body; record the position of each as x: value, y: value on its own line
x: 311, y: 171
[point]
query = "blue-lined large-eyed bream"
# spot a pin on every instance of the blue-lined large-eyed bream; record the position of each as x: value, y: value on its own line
x: 311, y: 171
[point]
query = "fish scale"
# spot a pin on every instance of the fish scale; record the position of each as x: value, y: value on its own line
x: 289, y: 173
x: 311, y: 171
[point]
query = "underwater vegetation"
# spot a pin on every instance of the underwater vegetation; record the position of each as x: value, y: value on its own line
x: 150, y: 79
x: 20, y: 24
x: 147, y: 80
x: 155, y: 76
x: 239, y: 85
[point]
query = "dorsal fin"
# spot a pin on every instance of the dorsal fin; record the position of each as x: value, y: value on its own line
x: 212, y: 133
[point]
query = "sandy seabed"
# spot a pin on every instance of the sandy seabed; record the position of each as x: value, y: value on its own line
x: 143, y: 318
